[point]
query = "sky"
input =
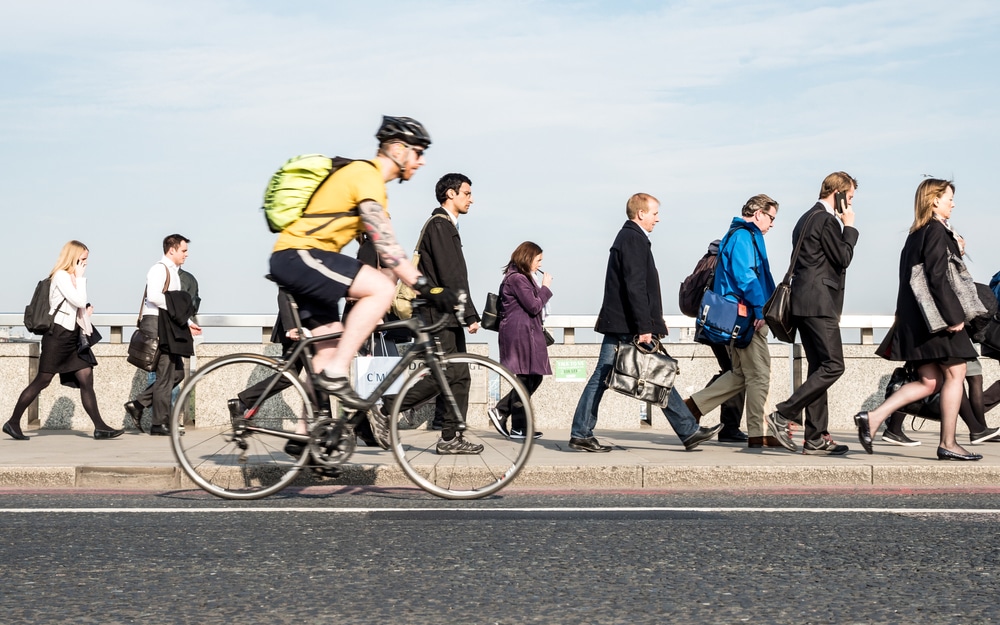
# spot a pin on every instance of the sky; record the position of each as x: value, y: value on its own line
x: 124, y: 121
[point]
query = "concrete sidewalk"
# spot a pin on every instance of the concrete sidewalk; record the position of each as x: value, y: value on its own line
x: 640, y: 459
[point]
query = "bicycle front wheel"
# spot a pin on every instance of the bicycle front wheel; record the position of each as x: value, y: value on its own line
x: 232, y: 452
x: 437, y: 469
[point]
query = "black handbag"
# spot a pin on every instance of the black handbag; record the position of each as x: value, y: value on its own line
x: 549, y: 339
x: 641, y: 372
x: 491, y: 313
x: 927, y: 408
x: 778, y: 313
x: 778, y: 309
x: 143, y: 350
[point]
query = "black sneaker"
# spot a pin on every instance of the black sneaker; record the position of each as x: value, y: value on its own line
x: 519, y: 434
x: 498, y: 420
x: 457, y: 446
x: 824, y: 447
x: 986, y: 435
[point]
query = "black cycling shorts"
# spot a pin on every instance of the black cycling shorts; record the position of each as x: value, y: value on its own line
x: 316, y: 279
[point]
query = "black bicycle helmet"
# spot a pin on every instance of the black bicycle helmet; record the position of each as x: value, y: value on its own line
x: 405, y: 129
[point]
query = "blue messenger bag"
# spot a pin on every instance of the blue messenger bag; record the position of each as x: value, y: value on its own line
x: 721, y: 321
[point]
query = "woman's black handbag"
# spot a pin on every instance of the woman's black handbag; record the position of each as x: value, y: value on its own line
x: 143, y: 350
x: 927, y: 408
x: 490, y: 319
x: 643, y: 372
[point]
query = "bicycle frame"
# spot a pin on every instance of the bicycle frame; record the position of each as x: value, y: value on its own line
x: 425, y: 348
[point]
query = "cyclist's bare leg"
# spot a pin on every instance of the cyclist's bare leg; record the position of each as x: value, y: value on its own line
x: 373, y: 293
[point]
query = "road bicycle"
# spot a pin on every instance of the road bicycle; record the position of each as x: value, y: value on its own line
x: 255, y: 449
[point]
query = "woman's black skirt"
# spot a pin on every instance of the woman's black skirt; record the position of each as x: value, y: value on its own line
x: 61, y: 352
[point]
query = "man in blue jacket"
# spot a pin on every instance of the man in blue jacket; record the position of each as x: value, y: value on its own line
x: 743, y: 274
x: 632, y: 308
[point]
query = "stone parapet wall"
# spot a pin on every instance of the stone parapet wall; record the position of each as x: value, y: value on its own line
x: 862, y: 386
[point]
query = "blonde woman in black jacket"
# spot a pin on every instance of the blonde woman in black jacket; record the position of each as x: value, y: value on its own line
x: 938, y: 350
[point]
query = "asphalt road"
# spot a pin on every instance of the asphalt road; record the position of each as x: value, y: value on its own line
x: 398, y: 556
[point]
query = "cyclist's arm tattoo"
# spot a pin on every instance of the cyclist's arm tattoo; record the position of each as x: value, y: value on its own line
x: 379, y: 230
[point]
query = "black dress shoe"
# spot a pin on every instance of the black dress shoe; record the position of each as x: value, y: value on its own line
x: 700, y: 436
x: 588, y: 444
x: 134, y: 410
x: 364, y: 432
x: 864, y: 431
x: 732, y: 436
x: 107, y: 434
x: 295, y: 448
x: 159, y: 430
x: 17, y: 434
x: 944, y: 454
x: 237, y: 409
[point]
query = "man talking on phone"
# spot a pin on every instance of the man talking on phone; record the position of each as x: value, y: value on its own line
x: 828, y: 238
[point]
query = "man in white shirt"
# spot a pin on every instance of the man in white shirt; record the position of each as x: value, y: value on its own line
x: 160, y: 278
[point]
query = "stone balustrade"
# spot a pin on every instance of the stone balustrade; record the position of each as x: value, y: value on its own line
x: 116, y: 381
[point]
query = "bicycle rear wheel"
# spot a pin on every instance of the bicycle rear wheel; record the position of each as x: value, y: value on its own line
x: 414, y: 442
x: 222, y: 451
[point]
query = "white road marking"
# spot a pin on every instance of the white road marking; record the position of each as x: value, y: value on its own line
x: 474, y: 511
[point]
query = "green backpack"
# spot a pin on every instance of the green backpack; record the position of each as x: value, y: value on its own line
x: 294, y: 184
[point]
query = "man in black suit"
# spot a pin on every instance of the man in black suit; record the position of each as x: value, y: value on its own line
x: 828, y: 239
x: 631, y: 309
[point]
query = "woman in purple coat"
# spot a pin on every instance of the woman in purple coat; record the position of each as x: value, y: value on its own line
x: 522, y: 340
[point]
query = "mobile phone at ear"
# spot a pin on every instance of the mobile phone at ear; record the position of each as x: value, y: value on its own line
x: 840, y: 202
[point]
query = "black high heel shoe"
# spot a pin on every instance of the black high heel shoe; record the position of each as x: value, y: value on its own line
x: 107, y: 434
x: 944, y: 454
x: 17, y: 435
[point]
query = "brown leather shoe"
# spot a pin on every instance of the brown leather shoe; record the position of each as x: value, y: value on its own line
x: 756, y: 442
x: 693, y: 407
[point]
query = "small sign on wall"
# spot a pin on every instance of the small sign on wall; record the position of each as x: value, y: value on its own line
x: 570, y: 370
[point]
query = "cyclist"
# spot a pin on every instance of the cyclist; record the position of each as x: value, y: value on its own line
x: 307, y: 262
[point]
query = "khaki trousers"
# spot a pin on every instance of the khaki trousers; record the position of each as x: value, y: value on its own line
x: 751, y: 371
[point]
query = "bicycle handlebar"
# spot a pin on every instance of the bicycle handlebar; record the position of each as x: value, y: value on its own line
x: 414, y: 323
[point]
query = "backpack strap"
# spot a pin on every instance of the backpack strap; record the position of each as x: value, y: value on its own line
x: 337, y: 163
x: 420, y: 239
x: 725, y: 239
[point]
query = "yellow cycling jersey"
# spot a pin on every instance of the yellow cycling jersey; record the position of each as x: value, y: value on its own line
x: 342, y: 192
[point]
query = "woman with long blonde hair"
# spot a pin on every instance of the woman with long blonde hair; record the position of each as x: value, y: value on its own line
x: 66, y: 347
x: 937, y: 354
